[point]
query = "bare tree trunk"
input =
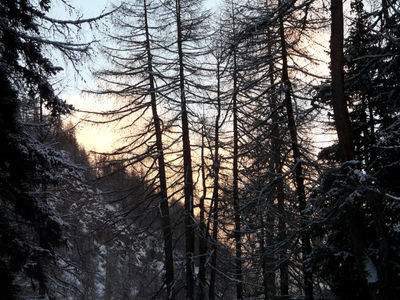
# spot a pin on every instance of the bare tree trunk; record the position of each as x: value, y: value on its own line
x: 385, y: 15
x: 267, y: 259
x: 164, y: 207
x: 203, y: 229
x: 236, y: 204
x: 280, y: 193
x: 283, y: 259
x: 187, y: 165
x: 215, y: 196
x: 235, y: 171
x: 342, y: 120
x: 298, y: 169
x: 276, y: 167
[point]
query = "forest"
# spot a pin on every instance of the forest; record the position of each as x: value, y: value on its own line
x: 256, y: 153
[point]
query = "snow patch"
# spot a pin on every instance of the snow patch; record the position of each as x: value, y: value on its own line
x: 372, y: 274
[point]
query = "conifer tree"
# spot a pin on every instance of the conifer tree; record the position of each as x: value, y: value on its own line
x: 30, y: 230
x: 360, y: 228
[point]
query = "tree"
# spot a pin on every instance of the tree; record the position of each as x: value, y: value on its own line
x: 31, y: 229
x: 298, y: 169
x: 169, y: 265
x: 357, y: 237
x: 187, y: 161
x: 216, y: 161
x: 188, y: 22
x: 342, y: 121
x: 269, y: 38
x: 163, y: 79
x: 235, y: 160
x: 25, y: 160
x: 137, y: 38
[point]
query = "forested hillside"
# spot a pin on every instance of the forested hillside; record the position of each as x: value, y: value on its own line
x: 242, y: 169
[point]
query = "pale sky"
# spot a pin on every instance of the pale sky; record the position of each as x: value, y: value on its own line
x: 94, y: 7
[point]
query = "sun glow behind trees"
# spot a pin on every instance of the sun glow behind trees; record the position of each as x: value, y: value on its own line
x: 106, y: 137
x: 73, y: 84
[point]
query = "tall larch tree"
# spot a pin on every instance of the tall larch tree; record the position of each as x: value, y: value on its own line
x: 133, y: 81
